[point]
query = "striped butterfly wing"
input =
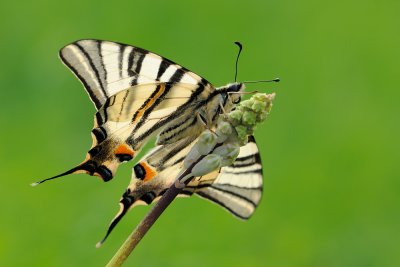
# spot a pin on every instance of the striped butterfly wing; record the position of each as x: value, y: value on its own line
x: 237, y: 188
x: 136, y: 93
x: 129, y: 118
x: 106, y: 68
x: 152, y: 176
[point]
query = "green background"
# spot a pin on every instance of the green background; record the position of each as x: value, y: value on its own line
x: 330, y: 148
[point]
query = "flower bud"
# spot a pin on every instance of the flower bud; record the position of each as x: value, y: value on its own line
x: 258, y: 106
x: 208, y: 164
x: 262, y: 116
x: 207, y: 142
x: 224, y: 130
x: 235, y: 117
x: 247, y: 103
x: 228, y: 152
x: 241, y: 131
x: 191, y: 157
x: 249, y: 118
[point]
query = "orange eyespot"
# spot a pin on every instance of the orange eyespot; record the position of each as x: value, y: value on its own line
x: 124, y: 152
x: 144, y: 171
x: 150, y: 172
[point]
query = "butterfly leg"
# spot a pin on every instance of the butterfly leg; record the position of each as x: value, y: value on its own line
x: 223, y: 109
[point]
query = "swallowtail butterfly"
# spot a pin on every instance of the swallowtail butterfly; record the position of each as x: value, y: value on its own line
x: 139, y: 94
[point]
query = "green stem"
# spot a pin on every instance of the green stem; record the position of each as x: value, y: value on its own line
x: 134, y: 238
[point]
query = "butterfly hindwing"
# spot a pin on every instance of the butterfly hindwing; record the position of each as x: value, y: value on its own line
x: 152, y: 176
x: 237, y: 188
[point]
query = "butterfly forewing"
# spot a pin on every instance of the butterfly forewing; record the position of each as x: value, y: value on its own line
x: 106, y: 68
x: 136, y: 93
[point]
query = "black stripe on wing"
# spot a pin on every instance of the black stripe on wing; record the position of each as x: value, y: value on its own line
x: 135, y: 60
x: 163, y: 67
x: 174, y: 115
x: 96, y: 56
x: 105, y: 68
x: 97, y: 100
x: 218, y: 200
x: 159, y: 95
x: 237, y: 188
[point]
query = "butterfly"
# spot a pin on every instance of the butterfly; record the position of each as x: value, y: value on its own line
x: 139, y: 95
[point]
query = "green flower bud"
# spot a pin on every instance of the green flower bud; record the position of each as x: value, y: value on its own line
x: 235, y: 117
x: 262, y: 116
x: 258, y: 106
x: 260, y: 97
x: 228, y: 153
x: 249, y: 118
x: 241, y: 131
x: 251, y: 129
x: 192, y: 156
x: 208, y: 164
x: 207, y: 142
x: 247, y: 103
x: 224, y: 130
x: 227, y: 150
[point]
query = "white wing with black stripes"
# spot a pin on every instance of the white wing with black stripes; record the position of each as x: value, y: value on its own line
x: 106, y: 68
x: 237, y: 188
x: 137, y: 94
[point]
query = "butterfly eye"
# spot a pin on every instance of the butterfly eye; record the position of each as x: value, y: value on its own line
x: 236, y: 101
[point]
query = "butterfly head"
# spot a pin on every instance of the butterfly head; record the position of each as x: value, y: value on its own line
x: 231, y: 94
x: 234, y: 91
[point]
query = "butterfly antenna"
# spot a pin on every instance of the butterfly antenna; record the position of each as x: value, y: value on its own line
x: 237, y: 58
x: 243, y: 93
x: 264, y: 81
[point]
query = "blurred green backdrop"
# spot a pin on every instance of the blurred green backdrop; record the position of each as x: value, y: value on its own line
x: 330, y: 148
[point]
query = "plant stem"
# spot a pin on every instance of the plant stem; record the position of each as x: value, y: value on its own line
x: 134, y: 238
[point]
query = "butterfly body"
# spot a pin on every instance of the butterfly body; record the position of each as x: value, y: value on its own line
x: 138, y: 95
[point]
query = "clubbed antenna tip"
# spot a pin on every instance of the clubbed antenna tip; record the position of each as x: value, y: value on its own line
x: 35, y: 184
x: 98, y: 245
